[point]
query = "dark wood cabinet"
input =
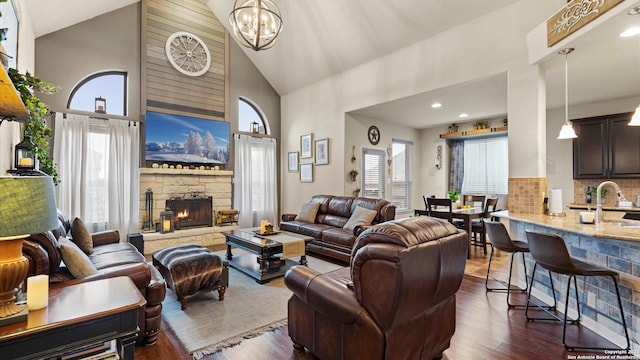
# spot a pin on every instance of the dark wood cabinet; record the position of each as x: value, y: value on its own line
x: 606, y: 147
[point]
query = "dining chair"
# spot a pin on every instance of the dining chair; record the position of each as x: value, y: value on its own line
x: 473, y: 200
x: 478, y: 227
x: 445, y: 213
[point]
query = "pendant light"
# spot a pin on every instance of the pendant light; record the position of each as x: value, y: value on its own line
x: 635, y: 119
x: 567, y: 131
x: 256, y: 23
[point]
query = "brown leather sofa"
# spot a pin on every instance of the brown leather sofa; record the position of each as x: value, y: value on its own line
x: 330, y: 239
x: 111, y: 258
x: 396, y: 300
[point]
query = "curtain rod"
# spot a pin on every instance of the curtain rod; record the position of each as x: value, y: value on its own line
x: 94, y: 116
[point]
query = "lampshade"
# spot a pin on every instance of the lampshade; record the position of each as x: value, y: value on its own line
x: 27, y: 205
x: 635, y: 119
x: 567, y: 132
x: 256, y: 23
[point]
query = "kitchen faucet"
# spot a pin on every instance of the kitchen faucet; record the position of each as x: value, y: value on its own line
x: 619, y: 195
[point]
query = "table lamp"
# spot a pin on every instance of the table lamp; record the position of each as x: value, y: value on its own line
x: 27, y: 206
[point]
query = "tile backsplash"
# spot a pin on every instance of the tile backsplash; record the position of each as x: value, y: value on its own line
x: 526, y: 195
x: 630, y: 188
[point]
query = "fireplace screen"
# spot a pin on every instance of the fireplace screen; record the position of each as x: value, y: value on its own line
x: 192, y: 212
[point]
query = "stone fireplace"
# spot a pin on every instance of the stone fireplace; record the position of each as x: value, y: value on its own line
x: 169, y: 185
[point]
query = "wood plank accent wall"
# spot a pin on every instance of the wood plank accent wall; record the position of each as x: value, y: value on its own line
x: 166, y: 90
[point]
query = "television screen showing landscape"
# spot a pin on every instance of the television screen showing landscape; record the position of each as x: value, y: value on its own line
x: 176, y: 138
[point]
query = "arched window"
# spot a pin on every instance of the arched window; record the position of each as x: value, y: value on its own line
x: 110, y: 86
x: 249, y: 114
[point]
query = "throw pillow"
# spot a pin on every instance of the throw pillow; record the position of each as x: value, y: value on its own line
x: 360, y: 216
x: 308, y: 212
x: 76, y: 260
x: 81, y: 236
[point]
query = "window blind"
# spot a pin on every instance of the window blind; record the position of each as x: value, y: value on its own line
x: 373, y: 173
x: 486, y: 166
x: 401, y: 174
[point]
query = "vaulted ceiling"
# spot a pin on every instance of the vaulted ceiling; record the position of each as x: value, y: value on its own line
x: 322, y: 38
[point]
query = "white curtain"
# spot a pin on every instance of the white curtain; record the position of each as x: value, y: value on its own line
x: 98, y: 169
x: 255, y: 180
x: 124, y: 180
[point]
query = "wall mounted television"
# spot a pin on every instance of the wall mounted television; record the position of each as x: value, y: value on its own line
x: 174, y: 138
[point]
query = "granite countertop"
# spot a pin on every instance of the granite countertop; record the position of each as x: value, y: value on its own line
x: 605, y: 207
x: 610, y: 229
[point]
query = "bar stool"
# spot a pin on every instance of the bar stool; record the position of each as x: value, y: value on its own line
x: 500, y: 239
x: 550, y: 251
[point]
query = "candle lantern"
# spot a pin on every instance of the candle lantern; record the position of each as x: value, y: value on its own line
x: 255, y: 127
x: 101, y: 105
x: 25, y: 156
x: 166, y: 221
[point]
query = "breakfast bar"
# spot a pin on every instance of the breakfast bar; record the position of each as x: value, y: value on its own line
x: 614, y: 244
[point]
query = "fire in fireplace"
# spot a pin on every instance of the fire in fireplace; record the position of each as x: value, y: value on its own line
x: 191, y: 212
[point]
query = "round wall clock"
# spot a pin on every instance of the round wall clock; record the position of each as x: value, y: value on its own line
x: 187, y: 53
x: 374, y: 135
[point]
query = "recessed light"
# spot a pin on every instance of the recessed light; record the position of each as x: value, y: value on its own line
x: 634, y: 10
x: 436, y: 105
x: 463, y: 115
x: 632, y: 31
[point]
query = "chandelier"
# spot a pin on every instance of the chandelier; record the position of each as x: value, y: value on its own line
x: 256, y: 23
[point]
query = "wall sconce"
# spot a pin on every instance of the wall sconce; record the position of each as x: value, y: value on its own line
x: 166, y: 221
x: 439, y: 157
x: 101, y: 105
x: 255, y: 127
x: 25, y: 156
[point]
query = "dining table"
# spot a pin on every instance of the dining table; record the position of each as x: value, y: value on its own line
x: 464, y: 214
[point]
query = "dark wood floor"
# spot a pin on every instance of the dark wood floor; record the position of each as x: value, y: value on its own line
x: 485, y: 329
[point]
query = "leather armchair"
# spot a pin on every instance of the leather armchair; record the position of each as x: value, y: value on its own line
x: 112, y: 258
x: 396, y: 300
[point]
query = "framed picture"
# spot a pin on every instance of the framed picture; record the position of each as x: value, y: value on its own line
x: 322, y: 151
x: 293, y: 161
x: 305, y: 146
x: 306, y: 172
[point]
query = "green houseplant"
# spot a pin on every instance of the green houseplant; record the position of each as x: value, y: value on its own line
x: 353, y: 173
x: 36, y: 126
x: 453, y: 195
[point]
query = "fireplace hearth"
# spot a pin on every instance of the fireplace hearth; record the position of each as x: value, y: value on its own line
x: 191, y: 212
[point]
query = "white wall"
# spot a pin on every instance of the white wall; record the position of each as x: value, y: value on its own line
x: 483, y: 47
x: 10, y: 133
x: 356, y: 128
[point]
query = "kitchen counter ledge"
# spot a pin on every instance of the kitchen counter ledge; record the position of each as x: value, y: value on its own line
x: 610, y: 229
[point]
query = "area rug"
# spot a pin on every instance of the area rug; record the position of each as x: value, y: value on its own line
x: 248, y: 310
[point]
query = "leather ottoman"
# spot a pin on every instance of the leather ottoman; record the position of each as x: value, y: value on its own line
x: 190, y: 269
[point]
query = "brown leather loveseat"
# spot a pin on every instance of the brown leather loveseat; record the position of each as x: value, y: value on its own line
x: 330, y: 238
x: 396, y: 300
x: 111, y: 258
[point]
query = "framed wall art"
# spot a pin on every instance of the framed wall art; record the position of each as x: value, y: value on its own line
x: 293, y: 161
x: 306, y: 146
x: 322, y: 151
x: 306, y: 172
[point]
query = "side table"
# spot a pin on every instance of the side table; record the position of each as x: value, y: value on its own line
x: 78, y: 316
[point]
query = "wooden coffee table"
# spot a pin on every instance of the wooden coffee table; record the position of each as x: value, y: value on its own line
x: 259, y: 263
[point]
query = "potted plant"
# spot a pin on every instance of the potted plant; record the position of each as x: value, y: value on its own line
x: 356, y: 192
x: 454, y: 196
x: 453, y: 128
x: 353, y: 173
x: 480, y: 125
x: 36, y: 127
x: 505, y: 122
x: 603, y: 193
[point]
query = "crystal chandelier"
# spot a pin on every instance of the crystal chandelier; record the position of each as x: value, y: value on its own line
x: 256, y: 23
